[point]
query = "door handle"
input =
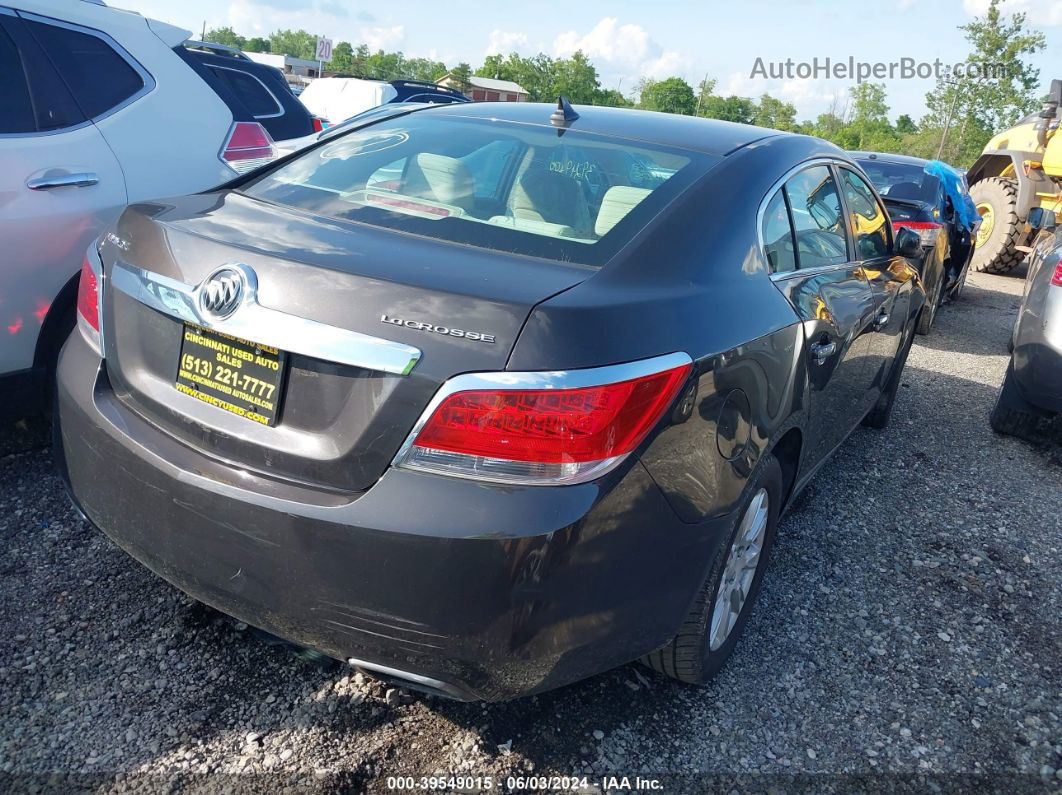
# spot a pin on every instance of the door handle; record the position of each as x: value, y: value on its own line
x: 79, y: 179
x: 821, y: 351
x: 881, y: 321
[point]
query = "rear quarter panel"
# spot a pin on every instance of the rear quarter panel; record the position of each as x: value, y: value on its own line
x: 695, y: 280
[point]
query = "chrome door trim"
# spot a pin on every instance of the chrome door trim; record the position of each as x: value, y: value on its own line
x: 253, y: 321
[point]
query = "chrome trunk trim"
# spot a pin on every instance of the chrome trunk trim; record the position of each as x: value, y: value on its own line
x: 257, y: 323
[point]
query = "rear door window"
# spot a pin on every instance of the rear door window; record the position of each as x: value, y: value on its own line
x: 777, y: 234
x: 98, y: 76
x: 16, y: 111
x: 818, y: 221
x: 493, y: 184
x: 39, y: 100
x: 258, y: 99
x: 869, y: 221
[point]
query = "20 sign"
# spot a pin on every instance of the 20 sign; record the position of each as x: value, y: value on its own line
x: 324, y: 49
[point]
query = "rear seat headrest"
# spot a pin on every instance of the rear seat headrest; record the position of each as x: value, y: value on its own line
x: 617, y: 202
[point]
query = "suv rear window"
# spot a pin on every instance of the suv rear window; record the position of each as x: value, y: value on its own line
x: 251, y: 91
x: 574, y: 197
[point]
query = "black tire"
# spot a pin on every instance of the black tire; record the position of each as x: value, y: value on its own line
x: 929, y: 312
x: 1013, y: 415
x: 880, y: 415
x: 999, y: 253
x: 688, y: 657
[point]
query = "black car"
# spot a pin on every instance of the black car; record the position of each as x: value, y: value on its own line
x: 917, y: 200
x: 486, y: 398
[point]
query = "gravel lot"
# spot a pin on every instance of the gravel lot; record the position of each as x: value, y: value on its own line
x: 908, y: 636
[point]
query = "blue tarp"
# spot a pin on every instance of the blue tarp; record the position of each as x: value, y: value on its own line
x: 960, y: 199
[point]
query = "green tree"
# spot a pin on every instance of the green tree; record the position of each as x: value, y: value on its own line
x: 226, y: 36
x: 576, y: 79
x: 775, y: 113
x: 257, y: 44
x: 673, y: 95
x: 461, y: 77
x: 730, y: 108
x: 965, y: 108
x: 425, y: 69
x: 296, y: 43
x: 704, y: 91
x: 342, y: 58
x: 905, y: 125
x: 612, y: 98
x: 869, y: 128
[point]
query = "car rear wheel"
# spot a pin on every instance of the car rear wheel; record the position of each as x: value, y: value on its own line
x: 929, y: 311
x: 1013, y: 415
x: 997, y: 251
x: 711, y: 629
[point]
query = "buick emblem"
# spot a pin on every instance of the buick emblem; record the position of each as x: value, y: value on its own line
x: 221, y: 294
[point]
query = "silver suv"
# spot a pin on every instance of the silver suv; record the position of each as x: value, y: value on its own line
x: 1032, y: 388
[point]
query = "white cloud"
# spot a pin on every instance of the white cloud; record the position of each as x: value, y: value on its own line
x: 384, y: 38
x: 623, y: 51
x: 810, y: 97
x: 1040, y: 12
x: 503, y: 42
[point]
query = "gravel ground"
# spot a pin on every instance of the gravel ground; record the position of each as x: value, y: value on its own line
x: 908, y: 636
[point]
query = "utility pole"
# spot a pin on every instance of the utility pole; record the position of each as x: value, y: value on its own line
x: 700, y: 94
x: 947, y: 119
x: 203, y: 37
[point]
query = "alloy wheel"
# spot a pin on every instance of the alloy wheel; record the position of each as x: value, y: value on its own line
x: 742, y: 562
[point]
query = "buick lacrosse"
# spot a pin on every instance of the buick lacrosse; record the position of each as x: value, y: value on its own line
x: 487, y: 398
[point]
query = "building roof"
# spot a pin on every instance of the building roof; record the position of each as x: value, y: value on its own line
x: 490, y: 84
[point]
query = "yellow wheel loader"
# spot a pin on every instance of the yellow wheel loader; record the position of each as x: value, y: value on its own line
x: 1020, y: 168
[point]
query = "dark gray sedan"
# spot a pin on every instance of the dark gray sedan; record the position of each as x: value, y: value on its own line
x: 487, y: 398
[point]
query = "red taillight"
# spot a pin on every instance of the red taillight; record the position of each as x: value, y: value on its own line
x: 926, y: 230
x: 553, y: 435
x: 88, y: 293
x: 318, y: 126
x: 1056, y: 280
x: 248, y: 146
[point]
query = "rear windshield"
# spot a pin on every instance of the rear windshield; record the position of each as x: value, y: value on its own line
x: 574, y: 197
x: 902, y: 180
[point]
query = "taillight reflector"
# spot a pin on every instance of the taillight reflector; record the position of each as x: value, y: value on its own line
x: 88, y: 296
x: 247, y: 145
x: 543, y: 436
x: 1057, y: 279
x: 926, y: 230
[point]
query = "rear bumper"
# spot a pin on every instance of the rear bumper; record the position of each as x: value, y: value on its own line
x: 479, y: 591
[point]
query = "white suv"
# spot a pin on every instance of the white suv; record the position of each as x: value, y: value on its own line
x: 101, y: 108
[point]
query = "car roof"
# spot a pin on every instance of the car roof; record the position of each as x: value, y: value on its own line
x: 889, y: 157
x: 711, y: 136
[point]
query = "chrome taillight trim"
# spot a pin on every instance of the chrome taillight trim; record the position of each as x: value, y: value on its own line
x: 253, y: 321
x: 553, y: 379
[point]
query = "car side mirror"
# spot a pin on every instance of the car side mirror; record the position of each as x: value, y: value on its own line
x: 908, y: 243
x: 1039, y: 218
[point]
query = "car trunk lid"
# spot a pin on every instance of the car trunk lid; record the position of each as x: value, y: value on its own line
x: 338, y: 424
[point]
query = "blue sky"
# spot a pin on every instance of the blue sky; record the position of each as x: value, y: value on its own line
x: 626, y: 39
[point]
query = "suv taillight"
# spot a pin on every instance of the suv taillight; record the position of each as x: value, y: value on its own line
x: 1056, y: 280
x: 543, y: 428
x: 927, y: 230
x: 318, y: 124
x: 247, y: 146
